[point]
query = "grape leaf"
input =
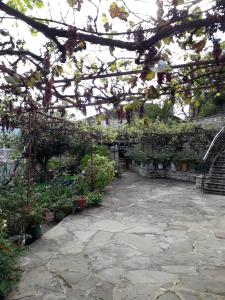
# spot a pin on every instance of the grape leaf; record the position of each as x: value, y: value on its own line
x: 118, y: 12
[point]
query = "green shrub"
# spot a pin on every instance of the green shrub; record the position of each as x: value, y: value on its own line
x: 9, y: 274
x: 209, y: 109
x: 53, y: 197
x: 95, y: 198
x: 12, y: 202
x: 80, y: 186
x: 99, y: 172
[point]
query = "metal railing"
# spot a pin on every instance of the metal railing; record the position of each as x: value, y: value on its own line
x: 214, y: 149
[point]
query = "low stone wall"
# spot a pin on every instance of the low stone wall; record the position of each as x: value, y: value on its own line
x: 148, y: 170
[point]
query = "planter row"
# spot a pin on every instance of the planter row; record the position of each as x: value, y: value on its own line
x: 35, y: 231
x: 173, y: 171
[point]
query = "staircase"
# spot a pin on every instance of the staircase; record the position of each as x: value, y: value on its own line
x: 214, y: 181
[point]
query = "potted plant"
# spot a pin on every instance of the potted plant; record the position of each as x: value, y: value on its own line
x: 32, y: 226
x: 95, y: 199
x: 80, y: 202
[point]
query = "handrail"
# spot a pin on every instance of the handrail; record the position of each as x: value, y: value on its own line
x: 213, y: 143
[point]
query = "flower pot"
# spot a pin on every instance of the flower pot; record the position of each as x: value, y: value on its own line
x: 49, y: 216
x: 178, y: 166
x: 172, y: 166
x: 184, y: 166
x: 160, y: 166
x: 33, y: 233
x: 80, y: 203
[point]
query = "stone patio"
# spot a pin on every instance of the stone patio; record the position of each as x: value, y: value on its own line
x: 152, y: 239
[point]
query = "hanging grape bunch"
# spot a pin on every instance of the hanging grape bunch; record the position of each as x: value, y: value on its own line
x: 216, y: 50
x: 48, y: 93
x: 141, y: 111
x: 161, y: 77
x: 74, y: 43
x: 168, y: 77
x: 120, y: 114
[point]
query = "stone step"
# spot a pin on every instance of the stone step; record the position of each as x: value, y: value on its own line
x: 216, y: 186
x: 214, y: 191
x: 218, y: 167
x: 217, y: 172
x: 215, y: 181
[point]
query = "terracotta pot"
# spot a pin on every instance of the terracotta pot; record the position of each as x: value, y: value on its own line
x: 49, y: 216
x: 81, y: 203
x: 184, y: 166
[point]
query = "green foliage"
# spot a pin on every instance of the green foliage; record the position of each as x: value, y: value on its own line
x: 95, y: 198
x: 163, y: 142
x: 54, y: 196
x: 9, y: 273
x: 101, y: 150
x: 163, y: 155
x: 23, y: 5
x: 97, y: 149
x: 81, y: 186
x: 212, y: 107
x: 99, y: 172
x: 154, y: 111
x: 12, y: 204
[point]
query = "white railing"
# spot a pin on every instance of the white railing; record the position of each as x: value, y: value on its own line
x: 217, y: 136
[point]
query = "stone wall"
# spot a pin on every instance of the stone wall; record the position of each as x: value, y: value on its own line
x: 148, y: 170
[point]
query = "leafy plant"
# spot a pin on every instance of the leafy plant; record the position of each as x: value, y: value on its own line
x: 12, y: 204
x: 95, y: 198
x: 99, y: 172
x: 9, y: 273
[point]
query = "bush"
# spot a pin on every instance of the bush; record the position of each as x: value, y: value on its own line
x: 54, y: 197
x: 12, y: 204
x: 95, y: 199
x: 9, y: 274
x: 99, y: 172
x: 80, y: 186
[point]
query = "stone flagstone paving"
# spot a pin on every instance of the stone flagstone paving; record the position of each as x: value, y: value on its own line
x: 152, y: 239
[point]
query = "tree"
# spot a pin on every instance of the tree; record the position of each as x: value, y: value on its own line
x: 37, y: 80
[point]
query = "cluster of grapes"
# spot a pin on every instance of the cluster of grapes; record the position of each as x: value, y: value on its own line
x: 18, y: 111
x: 48, y: 93
x: 172, y: 95
x: 141, y: 111
x: 216, y: 50
x: 72, y: 39
x: 107, y: 122
x: 161, y: 77
x: 168, y: 77
x: 79, y: 3
x: 87, y: 95
x: 84, y: 110
x: 138, y: 35
x: 78, y: 102
x: 129, y: 113
x: 150, y: 56
x: 62, y: 111
x: 46, y: 63
x: 120, y: 114
x: 74, y: 43
x: 5, y: 121
x: 144, y: 73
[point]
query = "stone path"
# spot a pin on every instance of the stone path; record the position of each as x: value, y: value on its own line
x: 152, y: 239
